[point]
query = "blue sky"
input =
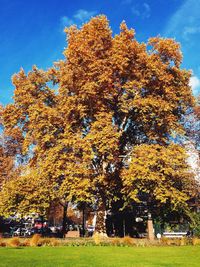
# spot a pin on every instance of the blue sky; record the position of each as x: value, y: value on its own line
x: 31, y: 32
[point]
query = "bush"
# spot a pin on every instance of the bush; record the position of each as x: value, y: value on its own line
x: 175, y: 241
x: 26, y: 243
x: 143, y: 243
x: 116, y: 241
x: 45, y: 241
x: 195, y: 241
x: 79, y: 242
x: 49, y: 242
x: 98, y: 238
x: 14, y: 242
x: 184, y: 241
x: 35, y: 240
x: 128, y: 241
x: 55, y: 242
x: 2, y: 243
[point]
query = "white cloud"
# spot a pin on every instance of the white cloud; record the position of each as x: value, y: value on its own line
x: 144, y: 11
x: 184, y: 26
x: 147, y: 10
x: 135, y: 11
x: 195, y: 84
x: 189, y: 30
x: 66, y: 21
x: 83, y: 15
x: 185, y: 21
x: 77, y: 18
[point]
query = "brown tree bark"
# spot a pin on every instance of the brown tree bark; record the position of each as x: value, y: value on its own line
x: 100, y: 221
x: 150, y: 230
x: 64, y: 222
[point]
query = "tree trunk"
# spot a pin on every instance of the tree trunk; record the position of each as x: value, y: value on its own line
x: 150, y: 231
x: 83, y: 221
x: 101, y: 213
x: 42, y: 228
x: 64, y: 223
x: 101, y: 220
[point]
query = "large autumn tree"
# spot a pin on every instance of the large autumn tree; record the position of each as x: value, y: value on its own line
x: 122, y: 93
x: 114, y: 97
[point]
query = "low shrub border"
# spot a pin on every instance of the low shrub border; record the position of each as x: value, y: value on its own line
x: 97, y: 240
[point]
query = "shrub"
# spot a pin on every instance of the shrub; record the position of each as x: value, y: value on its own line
x: 2, y: 243
x: 142, y: 242
x: 97, y: 238
x: 26, y: 243
x: 116, y: 241
x: 55, y: 242
x: 14, y: 242
x: 128, y: 241
x: 184, y: 241
x: 80, y: 242
x: 49, y: 242
x: 167, y: 241
x: 175, y: 241
x: 35, y: 240
x: 45, y: 241
x: 195, y: 241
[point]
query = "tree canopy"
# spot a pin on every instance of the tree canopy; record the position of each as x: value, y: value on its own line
x: 98, y: 126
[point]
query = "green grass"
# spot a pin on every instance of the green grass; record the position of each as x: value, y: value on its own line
x: 187, y: 256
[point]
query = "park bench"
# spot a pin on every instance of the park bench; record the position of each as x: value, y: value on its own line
x: 174, y: 234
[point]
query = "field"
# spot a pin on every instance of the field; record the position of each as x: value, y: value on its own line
x: 187, y: 256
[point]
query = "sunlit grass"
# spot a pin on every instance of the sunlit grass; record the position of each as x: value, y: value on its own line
x: 101, y: 256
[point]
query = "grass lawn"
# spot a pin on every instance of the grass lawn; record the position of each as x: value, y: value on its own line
x: 101, y: 256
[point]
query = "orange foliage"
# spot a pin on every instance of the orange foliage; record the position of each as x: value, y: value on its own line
x: 111, y: 94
